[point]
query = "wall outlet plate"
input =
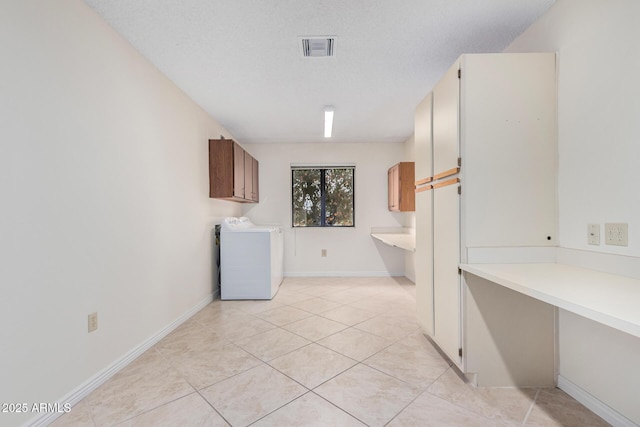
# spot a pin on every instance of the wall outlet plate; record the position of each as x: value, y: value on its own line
x: 593, y: 234
x: 92, y: 322
x: 617, y: 234
x: 323, y: 253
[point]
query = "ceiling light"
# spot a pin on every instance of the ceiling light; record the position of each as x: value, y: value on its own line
x: 328, y: 121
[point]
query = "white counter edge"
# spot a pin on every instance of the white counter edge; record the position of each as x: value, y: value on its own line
x: 491, y: 272
x: 404, y: 241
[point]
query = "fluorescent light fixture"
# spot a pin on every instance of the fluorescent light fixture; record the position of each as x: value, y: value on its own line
x: 328, y: 121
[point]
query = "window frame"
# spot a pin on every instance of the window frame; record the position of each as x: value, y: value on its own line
x: 323, y: 195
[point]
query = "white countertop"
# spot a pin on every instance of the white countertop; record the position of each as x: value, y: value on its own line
x: 606, y: 298
x: 406, y: 241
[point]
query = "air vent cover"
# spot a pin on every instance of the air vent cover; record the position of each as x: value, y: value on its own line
x: 317, y: 47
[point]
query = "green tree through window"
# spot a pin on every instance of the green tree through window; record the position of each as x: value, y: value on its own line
x: 323, y: 197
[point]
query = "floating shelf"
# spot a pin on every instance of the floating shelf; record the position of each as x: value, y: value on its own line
x: 402, y: 238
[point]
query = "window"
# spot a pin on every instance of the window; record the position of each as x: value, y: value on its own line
x: 322, y: 197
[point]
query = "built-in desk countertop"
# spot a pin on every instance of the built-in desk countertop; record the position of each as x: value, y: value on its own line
x: 606, y: 298
x: 402, y: 240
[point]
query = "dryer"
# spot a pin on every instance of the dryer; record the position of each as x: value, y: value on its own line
x: 251, y: 260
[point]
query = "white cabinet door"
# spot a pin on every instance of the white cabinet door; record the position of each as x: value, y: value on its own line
x: 510, y: 150
x: 446, y: 280
x: 422, y: 139
x: 446, y: 141
x: 423, y: 256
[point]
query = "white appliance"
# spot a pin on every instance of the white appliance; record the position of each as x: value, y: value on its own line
x: 251, y: 260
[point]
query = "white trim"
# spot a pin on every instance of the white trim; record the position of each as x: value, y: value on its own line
x: 600, y: 408
x: 325, y: 165
x: 342, y: 274
x: 101, y: 377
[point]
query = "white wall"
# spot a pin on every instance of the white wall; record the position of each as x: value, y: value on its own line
x: 598, y: 45
x: 104, y: 193
x: 350, y: 251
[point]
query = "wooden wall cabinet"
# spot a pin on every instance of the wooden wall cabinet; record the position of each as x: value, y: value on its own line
x: 233, y: 173
x: 401, y: 178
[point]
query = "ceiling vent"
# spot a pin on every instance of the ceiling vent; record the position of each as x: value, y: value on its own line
x: 317, y: 47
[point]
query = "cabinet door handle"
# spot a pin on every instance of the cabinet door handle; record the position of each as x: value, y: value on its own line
x: 446, y: 173
x: 446, y: 183
x: 424, y: 181
x: 425, y: 188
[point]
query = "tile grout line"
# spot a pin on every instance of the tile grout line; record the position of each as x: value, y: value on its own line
x: 342, y: 409
x: 391, y: 342
x: 155, y: 407
x: 533, y: 404
x: 282, y: 406
x: 90, y: 411
x: 213, y: 407
x: 456, y: 404
x: 196, y: 390
x: 406, y: 406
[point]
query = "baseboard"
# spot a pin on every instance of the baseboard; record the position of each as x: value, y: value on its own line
x: 600, y: 408
x: 343, y: 274
x: 101, y: 377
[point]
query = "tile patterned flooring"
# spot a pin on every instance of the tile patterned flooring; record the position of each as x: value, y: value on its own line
x: 323, y: 352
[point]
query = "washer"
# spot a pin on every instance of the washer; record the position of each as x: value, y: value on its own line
x: 251, y: 260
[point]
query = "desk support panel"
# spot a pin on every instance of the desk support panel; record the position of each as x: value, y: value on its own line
x: 509, y: 337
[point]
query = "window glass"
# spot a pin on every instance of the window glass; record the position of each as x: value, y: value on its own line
x: 323, y: 197
x: 339, y: 197
x: 307, y: 206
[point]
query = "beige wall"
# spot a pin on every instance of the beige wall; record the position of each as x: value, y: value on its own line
x: 350, y: 251
x: 105, y: 208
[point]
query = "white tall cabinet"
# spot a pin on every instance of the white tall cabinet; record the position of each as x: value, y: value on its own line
x: 485, y: 178
x: 424, y: 216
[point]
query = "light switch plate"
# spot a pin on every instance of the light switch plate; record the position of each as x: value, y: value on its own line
x: 593, y: 234
x: 617, y: 234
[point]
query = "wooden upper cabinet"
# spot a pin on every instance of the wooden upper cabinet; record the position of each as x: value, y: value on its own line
x: 401, y: 179
x: 256, y: 175
x: 392, y: 187
x: 231, y: 172
x: 250, y: 178
x: 238, y: 171
x: 247, y: 170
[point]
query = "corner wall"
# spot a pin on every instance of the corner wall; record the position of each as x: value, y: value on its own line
x: 105, y: 208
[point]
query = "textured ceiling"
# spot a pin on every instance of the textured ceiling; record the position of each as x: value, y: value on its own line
x: 241, y: 59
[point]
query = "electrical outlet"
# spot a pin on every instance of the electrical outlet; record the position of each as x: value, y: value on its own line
x: 324, y: 253
x: 593, y: 234
x: 93, y: 322
x: 617, y: 234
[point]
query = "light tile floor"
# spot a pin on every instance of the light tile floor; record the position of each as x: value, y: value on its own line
x: 323, y: 352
